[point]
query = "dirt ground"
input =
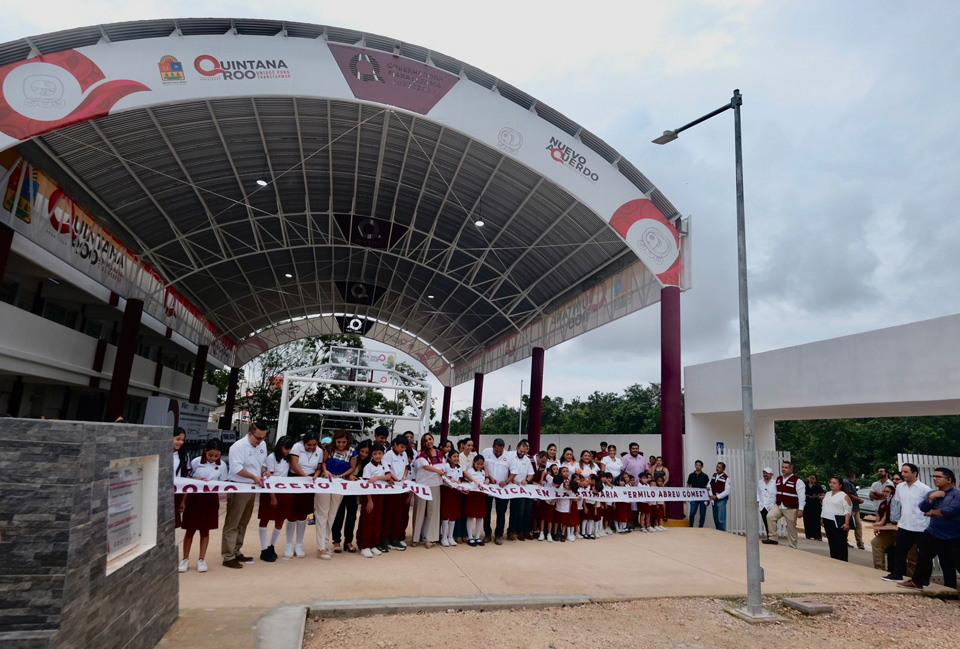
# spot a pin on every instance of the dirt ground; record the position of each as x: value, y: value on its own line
x: 867, y: 621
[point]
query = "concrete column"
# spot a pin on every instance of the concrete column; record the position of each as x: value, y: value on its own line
x: 123, y: 363
x: 671, y: 415
x: 445, y: 414
x: 536, y: 401
x: 6, y: 239
x: 477, y: 414
x: 228, y: 405
x: 199, y: 366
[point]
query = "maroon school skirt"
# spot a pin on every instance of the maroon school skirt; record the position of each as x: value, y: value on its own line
x: 544, y: 511
x: 278, y: 514
x: 573, y: 517
x: 449, y: 504
x: 301, y: 508
x: 202, y: 513
x: 476, y: 505
x: 621, y: 512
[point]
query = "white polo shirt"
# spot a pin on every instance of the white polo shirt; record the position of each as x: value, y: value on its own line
x: 453, y: 473
x: 308, y: 461
x: 478, y: 476
x: 497, y: 467
x: 277, y: 468
x: 910, y: 497
x: 244, y: 456
x: 208, y: 470
x: 612, y: 465
x: 396, y: 463
x: 374, y: 470
x: 521, y: 467
x: 767, y: 494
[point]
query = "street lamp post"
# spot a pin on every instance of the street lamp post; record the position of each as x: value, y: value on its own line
x: 754, y: 609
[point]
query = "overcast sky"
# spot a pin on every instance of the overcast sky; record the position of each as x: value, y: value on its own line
x: 851, y: 152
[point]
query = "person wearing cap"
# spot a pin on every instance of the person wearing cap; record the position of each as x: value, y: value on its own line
x: 246, y: 466
x: 497, y: 464
x: 766, y: 495
x: 398, y: 466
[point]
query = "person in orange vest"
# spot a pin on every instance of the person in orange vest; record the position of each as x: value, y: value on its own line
x: 791, y: 494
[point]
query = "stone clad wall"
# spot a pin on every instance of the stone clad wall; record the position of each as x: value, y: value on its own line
x: 54, y: 590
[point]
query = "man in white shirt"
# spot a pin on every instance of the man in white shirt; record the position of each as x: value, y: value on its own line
x: 876, y: 489
x: 766, y: 495
x: 913, y: 523
x: 246, y: 465
x: 791, y: 497
x: 521, y: 509
x: 497, y: 464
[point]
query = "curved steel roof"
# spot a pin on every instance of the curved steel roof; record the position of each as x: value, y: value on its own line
x: 369, y: 210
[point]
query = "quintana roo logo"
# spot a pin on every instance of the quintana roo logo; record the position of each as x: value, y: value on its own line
x: 651, y: 236
x: 56, y: 90
x: 365, y: 68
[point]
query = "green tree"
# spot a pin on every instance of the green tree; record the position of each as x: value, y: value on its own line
x: 221, y: 379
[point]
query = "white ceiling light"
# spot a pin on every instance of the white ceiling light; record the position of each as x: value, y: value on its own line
x: 478, y: 223
x: 429, y: 297
x: 288, y: 275
x: 261, y: 182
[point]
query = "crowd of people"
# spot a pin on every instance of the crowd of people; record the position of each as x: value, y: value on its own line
x: 372, y: 525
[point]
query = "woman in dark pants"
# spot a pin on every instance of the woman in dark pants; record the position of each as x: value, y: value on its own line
x: 812, y: 509
x: 837, y: 509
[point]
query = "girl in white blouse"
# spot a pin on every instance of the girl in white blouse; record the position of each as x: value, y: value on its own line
x: 202, y: 511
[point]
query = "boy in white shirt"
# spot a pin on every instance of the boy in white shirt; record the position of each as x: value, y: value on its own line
x: 397, y: 464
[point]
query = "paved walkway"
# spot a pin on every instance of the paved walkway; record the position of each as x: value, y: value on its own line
x: 677, y: 563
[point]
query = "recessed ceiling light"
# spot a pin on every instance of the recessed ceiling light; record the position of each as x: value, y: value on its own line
x: 261, y: 182
x: 288, y: 275
x: 478, y: 223
x: 429, y: 297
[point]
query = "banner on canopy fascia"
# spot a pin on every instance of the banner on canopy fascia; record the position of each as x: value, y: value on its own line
x: 608, y: 495
x: 55, y: 90
x: 303, y: 486
x: 630, y: 290
x: 37, y: 208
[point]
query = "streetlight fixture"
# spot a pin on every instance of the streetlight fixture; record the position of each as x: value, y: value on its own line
x: 754, y: 610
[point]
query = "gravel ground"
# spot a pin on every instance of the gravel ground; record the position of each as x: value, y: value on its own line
x: 867, y: 621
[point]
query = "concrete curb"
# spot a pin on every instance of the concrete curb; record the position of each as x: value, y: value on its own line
x: 370, y: 607
x: 282, y: 628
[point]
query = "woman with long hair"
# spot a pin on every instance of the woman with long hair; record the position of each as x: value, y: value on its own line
x: 181, y: 469
x: 340, y: 464
x: 429, y: 468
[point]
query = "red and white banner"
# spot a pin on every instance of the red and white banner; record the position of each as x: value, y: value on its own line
x: 302, y: 485
x: 608, y: 495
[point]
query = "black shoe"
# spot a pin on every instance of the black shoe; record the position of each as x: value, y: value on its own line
x: 232, y: 563
x: 770, y: 542
x: 481, y: 542
x: 892, y: 577
x: 242, y: 558
x: 472, y: 543
x: 266, y: 555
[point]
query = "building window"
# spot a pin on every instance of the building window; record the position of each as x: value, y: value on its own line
x: 60, y: 314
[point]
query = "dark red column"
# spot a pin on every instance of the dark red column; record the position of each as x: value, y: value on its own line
x: 123, y: 363
x: 671, y: 436
x: 477, y: 414
x: 16, y: 397
x: 228, y: 405
x: 536, y: 401
x: 445, y: 414
x: 199, y: 367
x: 6, y: 239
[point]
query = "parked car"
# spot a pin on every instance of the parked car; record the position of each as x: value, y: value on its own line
x: 867, y: 507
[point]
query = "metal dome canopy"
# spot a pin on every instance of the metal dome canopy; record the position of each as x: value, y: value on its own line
x: 377, y: 158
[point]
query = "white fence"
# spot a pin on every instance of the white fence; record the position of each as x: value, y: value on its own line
x: 733, y: 458
x: 927, y: 463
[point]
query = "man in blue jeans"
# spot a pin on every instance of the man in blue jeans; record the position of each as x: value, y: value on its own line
x: 719, y: 492
x: 698, y: 480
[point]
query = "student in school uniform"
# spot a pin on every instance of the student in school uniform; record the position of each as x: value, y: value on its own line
x: 644, y: 507
x: 476, y: 503
x: 181, y: 469
x: 202, y: 512
x: 273, y: 506
x: 621, y: 510
x: 397, y: 465
x: 371, y: 511
x: 562, y: 509
x: 450, y: 509
x: 539, y: 505
x: 306, y: 461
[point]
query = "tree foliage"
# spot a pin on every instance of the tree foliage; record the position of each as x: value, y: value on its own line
x: 830, y: 447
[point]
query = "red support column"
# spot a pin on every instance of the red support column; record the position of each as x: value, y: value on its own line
x: 477, y: 414
x: 15, y: 401
x: 445, y: 414
x: 123, y: 363
x: 536, y: 401
x: 670, y: 391
x: 6, y: 239
x: 228, y: 405
x: 199, y: 367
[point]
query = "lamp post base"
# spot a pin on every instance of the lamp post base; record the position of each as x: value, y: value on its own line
x: 745, y: 615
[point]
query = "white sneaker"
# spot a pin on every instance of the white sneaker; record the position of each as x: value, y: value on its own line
x: 366, y: 553
x: 549, y: 538
x: 571, y: 537
x: 444, y: 542
x: 375, y: 552
x: 202, y: 566
x: 184, y: 565
x: 661, y: 528
x: 648, y: 529
x: 403, y: 544
x: 452, y: 543
x: 299, y: 551
x: 288, y: 553
x: 542, y: 537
